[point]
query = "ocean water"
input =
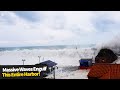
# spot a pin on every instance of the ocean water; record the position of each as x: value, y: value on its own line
x: 57, y: 47
x: 64, y: 55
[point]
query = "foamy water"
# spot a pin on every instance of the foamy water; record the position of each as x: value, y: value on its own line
x: 64, y: 57
x: 67, y: 60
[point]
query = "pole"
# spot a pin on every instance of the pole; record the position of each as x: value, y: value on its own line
x: 78, y: 52
x: 54, y: 73
x: 39, y: 58
x: 23, y: 61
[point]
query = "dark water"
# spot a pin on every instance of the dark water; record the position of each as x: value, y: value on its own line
x: 44, y: 47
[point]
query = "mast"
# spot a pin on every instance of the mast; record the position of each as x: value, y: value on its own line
x: 78, y: 52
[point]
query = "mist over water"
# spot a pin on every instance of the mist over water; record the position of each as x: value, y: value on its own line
x: 64, y: 55
x: 113, y: 44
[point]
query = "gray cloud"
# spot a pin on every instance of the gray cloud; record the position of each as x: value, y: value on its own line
x: 45, y: 28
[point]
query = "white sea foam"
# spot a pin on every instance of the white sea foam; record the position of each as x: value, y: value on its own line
x: 63, y: 57
x: 67, y: 60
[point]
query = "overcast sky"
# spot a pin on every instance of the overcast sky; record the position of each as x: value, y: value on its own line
x: 38, y: 28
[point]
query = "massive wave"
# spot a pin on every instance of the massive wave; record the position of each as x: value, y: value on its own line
x: 64, y: 57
